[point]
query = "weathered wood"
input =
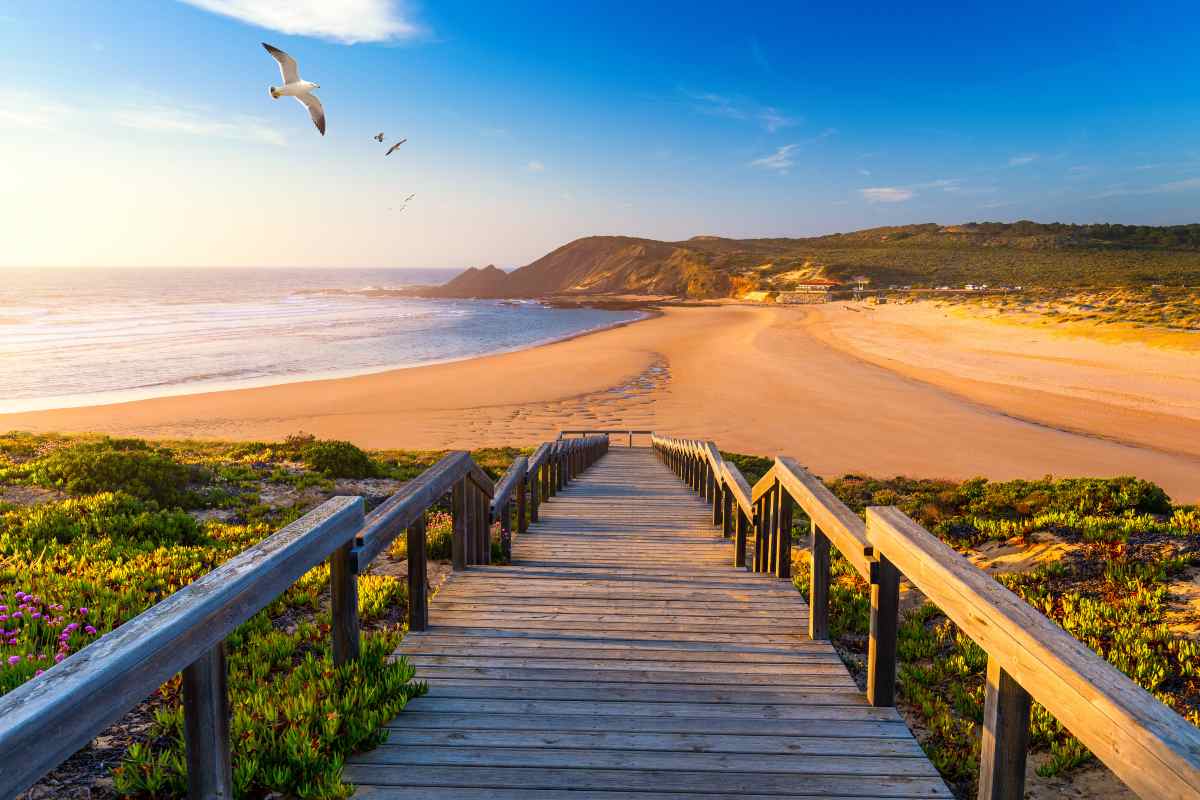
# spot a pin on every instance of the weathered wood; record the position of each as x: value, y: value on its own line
x: 47, y: 719
x: 844, y: 528
x: 343, y: 596
x: 458, y: 540
x: 783, y: 560
x: 418, y: 577
x: 1006, y: 710
x: 206, y: 726
x: 1153, y: 750
x: 522, y: 500
x: 818, y: 583
x: 395, y: 514
x: 619, y: 647
x: 741, y: 527
x: 885, y: 623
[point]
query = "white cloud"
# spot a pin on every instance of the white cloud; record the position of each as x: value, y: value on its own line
x: 772, y: 120
x: 780, y: 161
x: 167, y: 119
x: 1187, y: 185
x: 887, y: 194
x: 865, y: 172
x: 29, y: 110
x: 535, y: 166
x: 716, y: 105
x: 945, y: 184
x: 1020, y: 161
x: 344, y: 21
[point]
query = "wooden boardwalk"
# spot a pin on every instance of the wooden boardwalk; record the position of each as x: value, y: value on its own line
x: 622, y: 656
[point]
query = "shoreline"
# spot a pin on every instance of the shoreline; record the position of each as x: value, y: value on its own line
x: 135, y: 395
x: 754, y: 378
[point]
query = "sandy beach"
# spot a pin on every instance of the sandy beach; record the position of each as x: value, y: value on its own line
x: 883, y: 391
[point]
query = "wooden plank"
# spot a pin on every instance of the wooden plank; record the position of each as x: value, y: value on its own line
x: 870, y: 742
x: 886, y: 726
x: 732, y: 783
x: 1149, y: 747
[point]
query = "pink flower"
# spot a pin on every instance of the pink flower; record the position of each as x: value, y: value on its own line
x: 17, y: 615
x: 58, y: 657
x: 89, y: 630
x: 36, y: 615
x: 39, y: 672
x: 83, y: 611
x: 14, y: 660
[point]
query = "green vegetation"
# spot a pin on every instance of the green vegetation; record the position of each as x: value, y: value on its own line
x: 1123, y: 544
x: 93, y: 531
x: 1159, y: 308
x: 929, y: 255
x: 110, y: 465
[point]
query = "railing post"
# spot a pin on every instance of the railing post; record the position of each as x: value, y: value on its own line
x: 560, y: 470
x: 206, y: 726
x: 1006, y: 710
x: 885, y: 620
x: 535, y: 489
x: 522, y: 522
x: 343, y: 596
x: 742, y: 525
x: 458, y: 541
x: 770, y: 523
x: 726, y: 511
x: 818, y: 586
x: 783, y: 562
x: 485, y: 527
x: 717, y: 496
x: 759, y: 533
x: 418, y: 577
x: 506, y: 530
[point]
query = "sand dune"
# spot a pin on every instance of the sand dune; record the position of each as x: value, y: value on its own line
x: 882, y: 393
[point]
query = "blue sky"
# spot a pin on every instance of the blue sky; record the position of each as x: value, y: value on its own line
x: 141, y: 133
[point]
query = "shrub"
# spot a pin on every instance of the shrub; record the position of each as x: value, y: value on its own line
x: 114, y: 515
x: 116, y: 465
x: 338, y: 459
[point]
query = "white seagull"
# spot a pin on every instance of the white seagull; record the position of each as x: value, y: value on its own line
x: 294, y: 87
x: 393, y: 147
x: 378, y: 137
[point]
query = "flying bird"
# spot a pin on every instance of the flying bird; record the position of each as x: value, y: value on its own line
x: 378, y: 137
x: 293, y: 86
x: 393, y: 147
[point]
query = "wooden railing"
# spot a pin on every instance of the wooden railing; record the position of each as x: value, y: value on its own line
x: 606, y: 432
x: 1153, y: 750
x: 47, y: 719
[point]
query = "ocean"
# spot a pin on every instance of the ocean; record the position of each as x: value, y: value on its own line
x: 73, y: 337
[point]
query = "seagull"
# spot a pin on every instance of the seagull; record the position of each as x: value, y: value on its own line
x: 393, y: 147
x: 378, y: 137
x: 294, y: 87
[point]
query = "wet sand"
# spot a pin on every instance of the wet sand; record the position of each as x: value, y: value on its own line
x: 841, y: 391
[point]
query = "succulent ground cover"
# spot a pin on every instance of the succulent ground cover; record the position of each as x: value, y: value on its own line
x: 95, y: 530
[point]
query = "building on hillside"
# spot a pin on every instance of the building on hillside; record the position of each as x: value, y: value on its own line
x: 812, y: 290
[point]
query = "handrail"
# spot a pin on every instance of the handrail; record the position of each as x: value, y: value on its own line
x: 1088, y: 695
x: 1146, y: 744
x: 605, y: 432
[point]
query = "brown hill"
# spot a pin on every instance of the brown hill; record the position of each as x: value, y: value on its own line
x: 1021, y: 253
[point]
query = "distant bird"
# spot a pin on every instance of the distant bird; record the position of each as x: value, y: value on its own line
x: 404, y: 205
x: 393, y: 147
x: 378, y: 137
x: 294, y: 87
